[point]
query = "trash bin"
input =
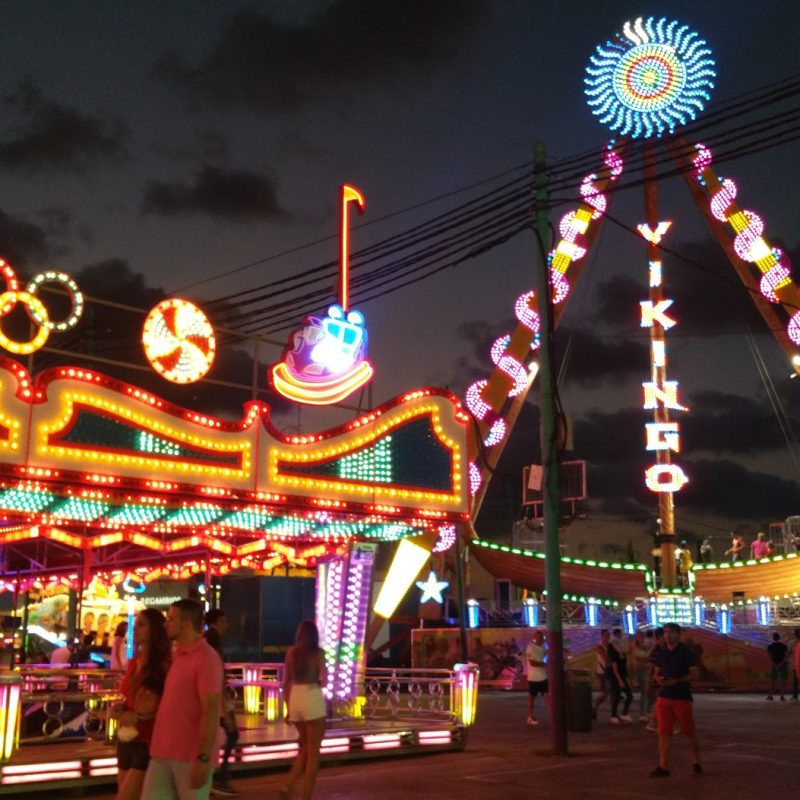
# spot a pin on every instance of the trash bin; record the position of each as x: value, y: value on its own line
x: 579, y: 700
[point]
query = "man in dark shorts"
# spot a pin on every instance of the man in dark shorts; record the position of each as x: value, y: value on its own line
x: 537, y: 673
x: 674, y: 670
x: 779, y: 656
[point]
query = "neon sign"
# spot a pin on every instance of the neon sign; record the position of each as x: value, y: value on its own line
x: 660, y: 395
x: 179, y: 341
x: 326, y: 360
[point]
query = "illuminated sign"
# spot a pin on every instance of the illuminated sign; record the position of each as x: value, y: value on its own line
x: 660, y: 395
x: 179, y: 341
x: 432, y: 588
x: 326, y: 360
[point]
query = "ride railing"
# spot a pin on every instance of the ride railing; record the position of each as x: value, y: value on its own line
x: 445, y: 695
x: 56, y: 703
x: 256, y: 688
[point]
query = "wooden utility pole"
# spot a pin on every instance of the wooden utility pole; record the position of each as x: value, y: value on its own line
x: 550, y: 488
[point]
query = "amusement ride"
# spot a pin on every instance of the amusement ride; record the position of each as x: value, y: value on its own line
x: 104, y: 482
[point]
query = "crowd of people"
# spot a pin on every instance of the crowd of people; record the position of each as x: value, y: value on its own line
x: 664, y: 668
x: 177, y: 714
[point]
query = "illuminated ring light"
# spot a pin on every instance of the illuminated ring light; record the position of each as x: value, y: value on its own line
x: 179, y: 341
x: 75, y: 297
x: 654, y: 76
x: 36, y: 311
x: 12, y: 285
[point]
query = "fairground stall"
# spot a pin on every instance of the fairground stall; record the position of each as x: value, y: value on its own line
x: 106, y: 488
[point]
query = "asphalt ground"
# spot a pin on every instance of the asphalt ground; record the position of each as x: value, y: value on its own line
x: 749, y: 751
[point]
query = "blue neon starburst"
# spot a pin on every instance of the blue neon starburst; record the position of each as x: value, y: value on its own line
x: 655, y: 76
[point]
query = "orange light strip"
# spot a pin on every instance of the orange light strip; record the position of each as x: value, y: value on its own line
x: 349, y: 194
x: 320, y: 393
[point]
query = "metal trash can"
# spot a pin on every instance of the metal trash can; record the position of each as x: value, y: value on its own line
x: 579, y: 700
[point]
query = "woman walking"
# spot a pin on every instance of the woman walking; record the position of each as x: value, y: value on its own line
x: 142, y: 687
x: 303, y: 677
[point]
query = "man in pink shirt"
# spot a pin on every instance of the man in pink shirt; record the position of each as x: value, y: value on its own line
x: 760, y: 547
x: 185, y: 748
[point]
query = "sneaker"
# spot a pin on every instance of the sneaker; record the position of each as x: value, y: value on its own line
x: 651, y: 726
x: 770, y: 697
x: 532, y: 721
x: 643, y: 717
x: 626, y: 718
x: 615, y: 720
x: 660, y: 772
x: 223, y: 789
x: 697, y: 769
x: 676, y: 728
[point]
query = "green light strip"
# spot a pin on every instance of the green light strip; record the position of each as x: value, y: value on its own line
x: 751, y: 562
x: 564, y: 559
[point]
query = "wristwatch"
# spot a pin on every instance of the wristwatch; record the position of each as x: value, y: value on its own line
x: 202, y: 758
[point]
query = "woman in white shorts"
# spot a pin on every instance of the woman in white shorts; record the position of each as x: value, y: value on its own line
x: 303, y: 677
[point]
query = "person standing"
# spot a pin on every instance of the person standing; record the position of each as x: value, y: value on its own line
x: 142, y: 687
x: 216, y: 627
x: 304, y: 675
x: 737, y: 547
x: 675, y: 669
x: 119, y: 647
x: 185, y: 746
x: 617, y: 672
x: 706, y: 551
x: 778, y: 654
x: 601, y: 669
x: 760, y: 547
x: 537, y: 673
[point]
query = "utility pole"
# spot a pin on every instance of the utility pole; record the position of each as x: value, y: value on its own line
x: 550, y: 488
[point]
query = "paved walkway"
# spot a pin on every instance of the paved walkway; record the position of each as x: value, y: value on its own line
x: 750, y: 752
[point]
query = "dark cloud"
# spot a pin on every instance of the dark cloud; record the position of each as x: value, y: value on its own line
x: 22, y: 241
x: 728, y: 489
x: 720, y: 422
x: 227, y: 194
x: 53, y: 136
x: 266, y: 65
x: 708, y: 293
x: 592, y: 360
x: 211, y: 147
x: 294, y: 145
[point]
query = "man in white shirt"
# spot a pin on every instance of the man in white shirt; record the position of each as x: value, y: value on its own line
x: 537, y: 674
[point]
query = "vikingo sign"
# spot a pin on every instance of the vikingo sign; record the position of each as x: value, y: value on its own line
x: 660, y: 394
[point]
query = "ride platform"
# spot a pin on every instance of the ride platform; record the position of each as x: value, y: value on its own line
x: 74, y: 764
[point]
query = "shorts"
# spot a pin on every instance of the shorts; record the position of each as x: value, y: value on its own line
x: 668, y: 710
x: 779, y: 672
x: 537, y: 687
x: 133, y: 755
x: 306, y: 702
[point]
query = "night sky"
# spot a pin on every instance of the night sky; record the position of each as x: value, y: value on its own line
x: 150, y: 148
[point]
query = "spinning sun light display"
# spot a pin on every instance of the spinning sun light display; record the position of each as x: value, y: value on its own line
x: 179, y: 341
x: 326, y: 360
x: 655, y: 75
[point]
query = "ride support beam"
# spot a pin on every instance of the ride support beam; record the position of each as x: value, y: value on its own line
x: 666, y: 503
